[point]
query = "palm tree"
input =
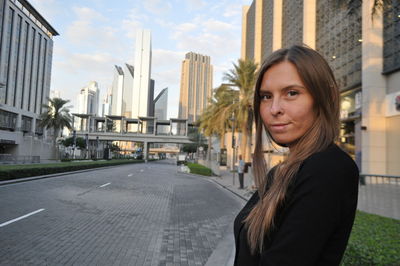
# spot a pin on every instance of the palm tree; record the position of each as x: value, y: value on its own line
x: 243, y: 76
x: 57, y: 116
x: 215, y: 118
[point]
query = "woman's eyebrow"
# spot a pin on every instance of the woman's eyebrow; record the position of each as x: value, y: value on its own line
x: 293, y: 86
x: 284, y: 88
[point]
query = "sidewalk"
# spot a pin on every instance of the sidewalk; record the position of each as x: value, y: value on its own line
x: 230, y: 181
x: 224, y: 253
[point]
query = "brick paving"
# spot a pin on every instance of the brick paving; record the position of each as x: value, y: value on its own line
x: 156, y: 216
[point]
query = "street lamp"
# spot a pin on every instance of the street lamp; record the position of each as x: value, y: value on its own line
x: 233, y: 148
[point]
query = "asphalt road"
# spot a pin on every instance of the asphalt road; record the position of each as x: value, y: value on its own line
x: 139, y: 214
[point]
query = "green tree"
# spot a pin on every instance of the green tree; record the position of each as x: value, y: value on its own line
x: 56, y: 116
x: 216, y: 117
x: 243, y: 76
x: 80, y: 142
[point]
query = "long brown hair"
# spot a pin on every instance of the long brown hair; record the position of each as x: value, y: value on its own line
x: 319, y: 80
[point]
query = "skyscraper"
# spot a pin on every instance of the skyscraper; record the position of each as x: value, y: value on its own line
x: 161, y: 105
x: 106, y: 106
x: 196, y: 86
x: 141, y: 100
x: 88, y: 99
x: 127, y: 90
x: 117, y: 91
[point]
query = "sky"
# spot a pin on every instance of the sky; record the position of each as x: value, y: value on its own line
x: 95, y: 35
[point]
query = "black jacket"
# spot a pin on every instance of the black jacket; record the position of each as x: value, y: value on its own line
x: 314, y: 224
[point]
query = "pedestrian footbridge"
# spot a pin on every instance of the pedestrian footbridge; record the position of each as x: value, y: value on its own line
x: 147, y: 130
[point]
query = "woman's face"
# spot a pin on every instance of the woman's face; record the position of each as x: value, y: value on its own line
x: 286, y: 106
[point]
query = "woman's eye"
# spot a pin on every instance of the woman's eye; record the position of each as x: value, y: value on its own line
x: 293, y: 93
x: 265, y: 97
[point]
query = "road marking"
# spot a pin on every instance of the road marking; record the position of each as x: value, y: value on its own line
x: 130, y: 175
x: 105, y: 185
x: 141, y: 170
x: 20, y: 218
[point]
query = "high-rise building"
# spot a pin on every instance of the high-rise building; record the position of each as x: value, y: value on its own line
x: 161, y: 105
x: 196, y: 86
x: 141, y: 98
x: 106, y: 106
x: 128, y: 71
x: 26, y: 51
x: 362, y: 50
x: 88, y: 99
x: 117, y: 91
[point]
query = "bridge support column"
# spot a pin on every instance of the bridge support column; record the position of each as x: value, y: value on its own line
x: 145, y: 150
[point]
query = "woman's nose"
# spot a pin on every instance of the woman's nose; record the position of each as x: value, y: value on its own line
x: 276, y: 107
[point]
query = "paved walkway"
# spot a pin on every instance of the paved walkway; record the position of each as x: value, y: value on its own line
x: 224, y: 253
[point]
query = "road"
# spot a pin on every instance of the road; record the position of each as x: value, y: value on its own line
x: 139, y: 214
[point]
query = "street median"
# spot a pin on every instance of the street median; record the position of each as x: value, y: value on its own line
x: 10, y: 172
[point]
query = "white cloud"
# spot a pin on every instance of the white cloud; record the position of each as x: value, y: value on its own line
x: 157, y: 6
x: 84, y: 31
x: 213, y: 25
x: 133, y: 22
x: 233, y: 10
x: 167, y: 58
x: 195, y: 4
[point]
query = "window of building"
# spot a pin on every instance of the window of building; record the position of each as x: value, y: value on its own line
x: 26, y: 124
x: 391, y: 36
x: 8, y: 120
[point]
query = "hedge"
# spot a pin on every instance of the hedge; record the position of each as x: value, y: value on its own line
x: 199, y: 169
x: 8, y: 172
x: 374, y: 240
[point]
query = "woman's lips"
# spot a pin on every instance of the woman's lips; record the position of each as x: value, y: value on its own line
x: 279, y: 127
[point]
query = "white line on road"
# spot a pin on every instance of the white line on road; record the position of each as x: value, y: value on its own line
x: 20, y: 218
x: 105, y: 185
x: 130, y: 175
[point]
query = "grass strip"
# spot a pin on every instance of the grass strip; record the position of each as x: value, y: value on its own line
x: 374, y: 240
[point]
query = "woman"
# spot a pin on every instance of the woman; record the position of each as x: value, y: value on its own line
x: 308, y: 201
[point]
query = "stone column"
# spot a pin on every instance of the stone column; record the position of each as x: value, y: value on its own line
x: 309, y: 22
x: 277, y: 26
x: 373, y: 136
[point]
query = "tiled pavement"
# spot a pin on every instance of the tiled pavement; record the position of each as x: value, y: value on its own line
x: 149, y: 215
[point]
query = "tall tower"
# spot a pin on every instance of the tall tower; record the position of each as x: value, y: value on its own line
x: 117, y: 90
x: 196, y: 86
x: 88, y: 99
x: 141, y: 83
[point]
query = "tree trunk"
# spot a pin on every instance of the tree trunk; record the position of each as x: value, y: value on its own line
x: 222, y: 141
x: 56, y: 133
x: 243, y: 144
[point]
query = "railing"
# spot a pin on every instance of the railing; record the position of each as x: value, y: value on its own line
x: 380, y: 194
x: 13, y: 159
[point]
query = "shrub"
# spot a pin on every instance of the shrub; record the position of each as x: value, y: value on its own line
x: 19, y: 171
x: 199, y: 169
x: 374, y: 240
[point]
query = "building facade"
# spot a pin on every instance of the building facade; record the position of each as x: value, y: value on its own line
x: 161, y: 105
x: 117, y: 89
x: 363, y: 50
x: 88, y: 99
x: 26, y: 51
x: 196, y: 86
x: 142, y: 84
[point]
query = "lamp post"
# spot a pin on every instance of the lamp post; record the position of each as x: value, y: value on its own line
x: 233, y: 148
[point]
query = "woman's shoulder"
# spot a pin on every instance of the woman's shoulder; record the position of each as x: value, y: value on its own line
x: 332, y: 163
